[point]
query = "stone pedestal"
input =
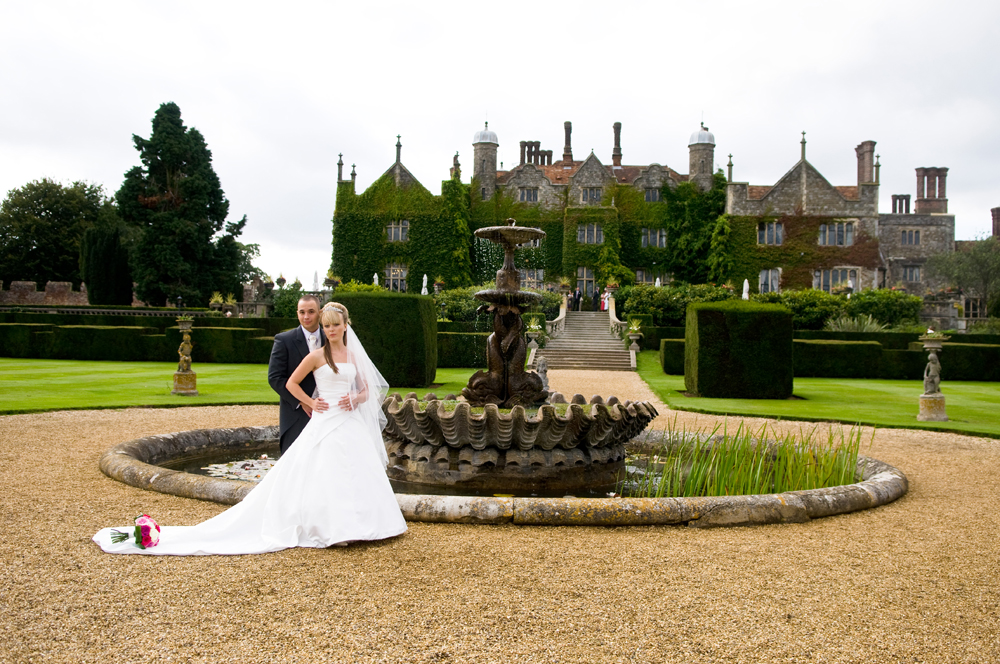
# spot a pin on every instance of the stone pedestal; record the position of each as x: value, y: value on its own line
x: 186, y: 384
x: 932, y: 408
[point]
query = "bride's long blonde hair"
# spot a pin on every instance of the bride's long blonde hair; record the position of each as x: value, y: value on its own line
x: 332, y: 314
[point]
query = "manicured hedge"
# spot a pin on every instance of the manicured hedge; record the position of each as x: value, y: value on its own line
x: 902, y: 364
x: 227, y: 345
x: 672, y: 356
x: 399, y: 332
x: 889, y: 340
x: 17, y: 340
x: 962, y: 361
x: 837, y: 359
x: 87, y: 342
x: 462, y: 349
x: 460, y: 326
x: 270, y: 326
x: 738, y: 349
x: 651, y: 336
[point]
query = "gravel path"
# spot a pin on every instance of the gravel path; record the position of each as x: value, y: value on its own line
x: 914, y: 581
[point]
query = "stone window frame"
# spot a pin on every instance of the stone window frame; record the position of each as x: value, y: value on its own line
x: 591, y: 195
x: 585, y: 280
x: 528, y: 194
x: 398, y: 231
x: 652, y: 194
x: 483, y: 192
x: 654, y: 237
x: 532, y: 278
x: 769, y: 280
x: 911, y: 274
x: 910, y: 236
x: 770, y: 232
x: 394, y: 277
x: 974, y: 307
x: 590, y: 233
x: 828, y: 279
x: 841, y: 232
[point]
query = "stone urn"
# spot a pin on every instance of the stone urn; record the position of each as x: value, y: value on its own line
x: 215, y: 306
x: 634, y: 337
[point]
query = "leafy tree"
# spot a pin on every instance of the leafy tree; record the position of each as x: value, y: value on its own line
x: 690, y: 219
x: 41, y: 227
x: 975, y: 270
x: 286, y: 300
x: 177, y: 199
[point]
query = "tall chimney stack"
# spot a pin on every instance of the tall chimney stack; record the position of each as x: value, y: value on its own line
x: 866, y: 162
x: 524, y: 144
x: 616, y: 154
x: 568, y: 149
x: 996, y: 222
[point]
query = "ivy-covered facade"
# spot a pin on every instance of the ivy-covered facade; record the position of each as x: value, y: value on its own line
x: 616, y: 223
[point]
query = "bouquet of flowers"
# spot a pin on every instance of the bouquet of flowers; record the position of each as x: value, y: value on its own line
x: 146, y: 533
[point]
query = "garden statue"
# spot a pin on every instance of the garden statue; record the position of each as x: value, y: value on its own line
x: 185, y: 380
x: 932, y: 401
x: 932, y: 375
x: 423, y: 289
x: 542, y: 369
x: 746, y: 289
x: 375, y: 278
x: 657, y: 284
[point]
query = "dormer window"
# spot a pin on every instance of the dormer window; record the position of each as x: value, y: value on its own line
x: 652, y: 194
x: 398, y: 231
x: 591, y: 195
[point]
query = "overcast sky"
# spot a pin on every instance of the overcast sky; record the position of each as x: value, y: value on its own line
x: 279, y: 89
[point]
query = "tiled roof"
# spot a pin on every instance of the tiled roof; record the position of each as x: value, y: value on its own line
x: 756, y: 193
x: 850, y: 193
x: 558, y: 174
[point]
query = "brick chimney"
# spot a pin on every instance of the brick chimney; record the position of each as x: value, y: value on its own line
x: 616, y: 154
x: 996, y: 222
x: 568, y: 149
x: 866, y: 162
x: 931, y: 194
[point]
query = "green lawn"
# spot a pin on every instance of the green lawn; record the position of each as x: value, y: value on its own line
x: 29, y: 386
x: 973, y: 407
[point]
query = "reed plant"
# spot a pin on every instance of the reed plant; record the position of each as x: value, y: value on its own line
x: 744, y: 462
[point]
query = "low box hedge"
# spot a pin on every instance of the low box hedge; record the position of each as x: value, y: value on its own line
x: 889, y: 340
x: 738, y: 349
x: 962, y: 361
x: 672, y: 356
x: 462, y: 349
x: 92, y: 342
x: 902, y: 364
x: 836, y: 359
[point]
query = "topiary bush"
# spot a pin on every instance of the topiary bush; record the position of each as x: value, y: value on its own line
x: 399, y: 332
x: 738, y: 349
x: 462, y: 349
x: 672, y: 356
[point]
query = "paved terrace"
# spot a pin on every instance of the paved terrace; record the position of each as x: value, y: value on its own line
x: 914, y: 581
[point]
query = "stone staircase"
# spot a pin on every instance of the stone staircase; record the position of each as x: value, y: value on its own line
x: 586, y: 343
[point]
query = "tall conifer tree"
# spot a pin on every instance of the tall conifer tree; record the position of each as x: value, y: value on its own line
x: 176, y: 198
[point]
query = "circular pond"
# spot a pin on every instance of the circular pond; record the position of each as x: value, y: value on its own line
x: 144, y: 462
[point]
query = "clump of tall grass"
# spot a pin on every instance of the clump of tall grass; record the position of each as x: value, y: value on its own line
x: 862, y: 323
x: 745, y: 463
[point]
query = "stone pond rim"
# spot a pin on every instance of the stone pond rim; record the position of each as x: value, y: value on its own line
x: 132, y: 462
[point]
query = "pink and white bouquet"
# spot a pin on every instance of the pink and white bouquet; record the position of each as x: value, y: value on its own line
x: 146, y: 533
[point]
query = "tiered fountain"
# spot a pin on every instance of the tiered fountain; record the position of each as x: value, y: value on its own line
x: 535, y: 447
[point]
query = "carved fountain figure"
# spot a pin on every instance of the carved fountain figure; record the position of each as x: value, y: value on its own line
x: 505, y: 382
x: 558, y: 448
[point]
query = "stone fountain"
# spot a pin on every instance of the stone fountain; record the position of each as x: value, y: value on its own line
x: 535, y: 447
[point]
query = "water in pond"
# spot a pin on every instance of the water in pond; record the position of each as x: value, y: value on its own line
x: 239, y: 465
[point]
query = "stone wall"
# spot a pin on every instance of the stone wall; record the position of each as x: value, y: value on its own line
x: 591, y: 174
x: 937, y: 236
x: 528, y: 175
x: 55, y: 293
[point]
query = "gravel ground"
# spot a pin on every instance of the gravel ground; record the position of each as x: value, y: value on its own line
x: 914, y: 581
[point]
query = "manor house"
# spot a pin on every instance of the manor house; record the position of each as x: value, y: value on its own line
x: 803, y: 231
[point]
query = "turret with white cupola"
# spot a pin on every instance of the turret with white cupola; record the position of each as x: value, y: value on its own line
x: 701, y: 153
x: 484, y: 166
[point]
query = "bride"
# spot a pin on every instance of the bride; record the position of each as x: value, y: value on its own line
x: 329, y: 488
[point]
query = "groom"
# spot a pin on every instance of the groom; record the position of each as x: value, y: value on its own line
x: 286, y: 354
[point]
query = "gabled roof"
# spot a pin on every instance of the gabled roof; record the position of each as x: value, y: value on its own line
x: 756, y: 193
x: 402, y: 176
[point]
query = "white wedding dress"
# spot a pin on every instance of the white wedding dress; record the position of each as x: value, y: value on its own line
x: 330, y: 487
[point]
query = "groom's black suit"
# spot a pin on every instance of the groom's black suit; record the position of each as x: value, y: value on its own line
x: 286, y: 354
